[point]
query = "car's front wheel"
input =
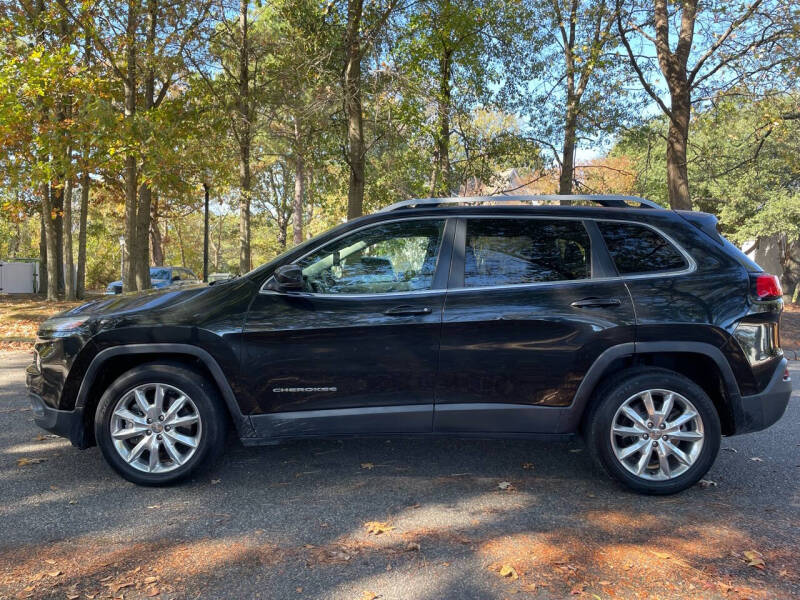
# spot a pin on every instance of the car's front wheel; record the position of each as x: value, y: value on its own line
x: 654, y: 430
x: 158, y: 423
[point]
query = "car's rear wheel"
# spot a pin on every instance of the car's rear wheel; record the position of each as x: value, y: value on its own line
x: 158, y: 423
x: 654, y: 430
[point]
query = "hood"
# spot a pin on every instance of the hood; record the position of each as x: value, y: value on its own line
x: 135, y: 302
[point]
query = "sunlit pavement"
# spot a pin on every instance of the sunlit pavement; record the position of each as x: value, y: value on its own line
x: 455, y: 519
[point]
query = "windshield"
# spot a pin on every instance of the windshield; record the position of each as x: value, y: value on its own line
x: 159, y: 274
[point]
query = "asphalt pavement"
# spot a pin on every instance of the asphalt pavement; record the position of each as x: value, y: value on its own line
x: 393, y: 519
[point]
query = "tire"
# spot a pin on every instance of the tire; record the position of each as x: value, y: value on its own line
x: 190, y: 437
x: 664, y: 471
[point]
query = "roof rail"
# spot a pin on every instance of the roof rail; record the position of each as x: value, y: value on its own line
x: 608, y: 200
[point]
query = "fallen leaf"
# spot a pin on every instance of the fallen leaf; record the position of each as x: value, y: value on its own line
x: 505, y: 485
x: 378, y: 527
x: 50, y: 561
x: 576, y: 450
x: 24, y: 462
x: 755, y: 559
x: 368, y: 466
x: 115, y: 587
x: 734, y: 450
x: 152, y: 593
x: 661, y: 554
x: 72, y: 502
x: 412, y: 547
x: 299, y: 590
x: 369, y: 595
x: 605, y: 582
x: 508, y: 571
x: 215, y: 481
x: 150, y: 579
x: 527, y: 466
x: 72, y: 596
x: 54, y: 573
x: 707, y: 483
x: 757, y: 459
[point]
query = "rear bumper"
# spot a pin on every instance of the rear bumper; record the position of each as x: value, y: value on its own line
x: 759, y: 411
x: 66, y: 423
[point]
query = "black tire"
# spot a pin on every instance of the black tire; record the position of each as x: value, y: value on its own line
x: 202, y: 392
x: 612, y: 395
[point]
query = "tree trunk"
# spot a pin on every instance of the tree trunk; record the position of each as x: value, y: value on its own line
x: 568, y: 152
x: 42, y: 248
x: 52, y: 244
x: 297, y: 205
x: 245, y: 139
x: 353, y: 110
x: 145, y: 192
x: 677, y: 140
x: 156, y: 240
x: 80, y: 283
x: 440, y: 180
x: 143, y: 237
x: 57, y: 208
x: 131, y: 184
x: 69, y: 261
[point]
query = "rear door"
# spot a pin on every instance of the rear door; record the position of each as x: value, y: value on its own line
x: 532, y: 303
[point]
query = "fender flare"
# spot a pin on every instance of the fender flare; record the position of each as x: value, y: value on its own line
x: 599, y: 368
x: 242, y: 422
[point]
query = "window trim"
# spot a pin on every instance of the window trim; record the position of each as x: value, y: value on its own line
x: 691, y: 264
x: 451, y: 254
x: 596, y: 253
x: 440, y: 275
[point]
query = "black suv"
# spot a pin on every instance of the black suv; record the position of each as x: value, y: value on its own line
x: 639, y: 327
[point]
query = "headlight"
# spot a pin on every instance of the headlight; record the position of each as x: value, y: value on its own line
x: 61, y: 326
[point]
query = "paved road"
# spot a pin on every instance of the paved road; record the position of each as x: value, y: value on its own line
x: 290, y: 521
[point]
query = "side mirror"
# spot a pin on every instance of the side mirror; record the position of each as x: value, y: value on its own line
x: 289, y: 278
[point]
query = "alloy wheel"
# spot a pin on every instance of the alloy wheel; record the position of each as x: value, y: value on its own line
x: 657, y: 434
x: 155, y: 428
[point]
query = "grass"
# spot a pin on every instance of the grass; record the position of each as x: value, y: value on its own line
x: 20, y: 315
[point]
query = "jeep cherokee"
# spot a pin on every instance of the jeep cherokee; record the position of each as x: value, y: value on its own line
x: 639, y: 327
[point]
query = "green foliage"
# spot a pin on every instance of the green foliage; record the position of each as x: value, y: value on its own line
x: 742, y: 164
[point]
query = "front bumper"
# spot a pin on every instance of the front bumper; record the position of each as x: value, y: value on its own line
x: 66, y: 423
x: 759, y: 411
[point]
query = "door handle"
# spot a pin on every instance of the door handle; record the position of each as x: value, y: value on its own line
x: 596, y: 302
x: 405, y: 309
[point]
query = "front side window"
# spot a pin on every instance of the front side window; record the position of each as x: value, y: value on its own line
x: 520, y: 251
x: 387, y: 258
x: 638, y: 249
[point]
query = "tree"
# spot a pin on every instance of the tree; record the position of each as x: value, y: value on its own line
x: 460, y: 55
x: 360, y: 33
x: 579, y: 89
x: 719, y: 46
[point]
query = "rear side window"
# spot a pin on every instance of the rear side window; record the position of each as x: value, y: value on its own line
x: 638, y: 249
x: 519, y: 251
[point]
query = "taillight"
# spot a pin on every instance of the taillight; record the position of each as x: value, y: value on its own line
x: 768, y: 287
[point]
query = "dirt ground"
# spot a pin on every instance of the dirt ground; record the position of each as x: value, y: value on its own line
x: 20, y: 315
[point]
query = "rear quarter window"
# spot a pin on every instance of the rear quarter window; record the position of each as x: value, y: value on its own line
x: 637, y: 249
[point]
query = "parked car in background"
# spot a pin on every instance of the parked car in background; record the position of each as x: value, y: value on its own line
x: 639, y: 327
x: 160, y: 277
x: 217, y: 277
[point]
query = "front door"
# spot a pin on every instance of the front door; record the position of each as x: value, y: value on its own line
x: 356, y: 351
x: 533, y: 302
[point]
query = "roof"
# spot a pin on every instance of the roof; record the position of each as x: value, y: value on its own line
x: 605, y: 200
